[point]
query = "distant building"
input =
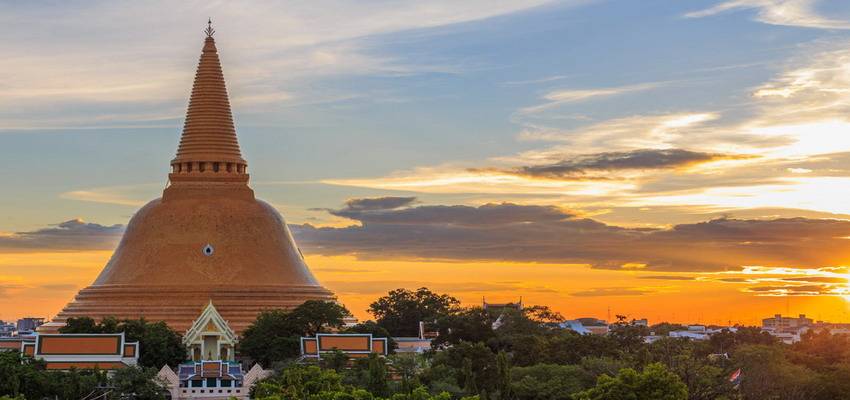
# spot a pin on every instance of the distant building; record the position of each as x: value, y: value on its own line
x: 787, y: 329
x: 497, y: 311
x: 355, y: 345
x: 833, y: 328
x: 29, y: 324
x: 499, y: 308
x: 586, y: 326
x: 349, y: 321
x: 694, y: 332
x: 418, y: 344
x: 15, y: 343
x: 7, y: 329
x: 786, y: 324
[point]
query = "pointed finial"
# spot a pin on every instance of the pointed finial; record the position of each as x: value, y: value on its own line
x: 209, y: 31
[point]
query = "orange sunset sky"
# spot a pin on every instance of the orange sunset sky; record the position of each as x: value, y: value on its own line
x: 677, y: 161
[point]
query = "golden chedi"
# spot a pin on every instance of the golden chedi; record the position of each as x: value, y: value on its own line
x: 207, y: 239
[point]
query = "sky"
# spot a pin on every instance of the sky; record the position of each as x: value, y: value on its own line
x: 682, y: 161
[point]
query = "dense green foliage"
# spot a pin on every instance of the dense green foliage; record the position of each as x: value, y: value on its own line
x: 159, y: 345
x: 509, y: 355
x: 275, y: 336
x: 655, y: 382
x: 25, y: 378
x: 300, y: 382
x: 401, y: 310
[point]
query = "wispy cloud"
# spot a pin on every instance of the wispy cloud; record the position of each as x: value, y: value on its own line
x: 536, y: 81
x: 125, y: 195
x: 264, y: 48
x: 564, y: 96
x: 799, y: 13
x: 615, y: 292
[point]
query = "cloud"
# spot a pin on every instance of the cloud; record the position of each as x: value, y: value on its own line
x: 564, y: 96
x: 73, y: 234
x: 548, y: 234
x: 378, y: 204
x: 800, y: 13
x: 800, y: 290
x: 458, y: 215
x: 669, y: 277
x: 612, y: 292
x: 63, y: 82
x: 7, y: 288
x: 824, y: 279
x: 374, y: 287
x: 642, y: 159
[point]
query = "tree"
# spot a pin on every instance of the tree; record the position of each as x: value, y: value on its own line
x: 401, y: 310
x: 766, y: 373
x: 336, y: 360
x: 472, y: 366
x: 568, y: 347
x: 470, y: 325
x: 655, y: 382
x: 159, y: 345
x: 275, y: 335
x: 27, y: 378
x: 298, y: 382
x: 271, y: 338
x: 628, y: 335
x: 377, y: 375
x: 137, y: 383
x: 549, y: 381
x: 503, y: 377
x: 727, y: 341
x: 705, y: 379
x: 314, y: 316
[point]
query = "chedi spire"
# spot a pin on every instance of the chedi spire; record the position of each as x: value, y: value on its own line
x: 209, y: 149
x: 207, y: 239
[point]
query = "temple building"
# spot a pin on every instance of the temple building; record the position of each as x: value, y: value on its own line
x: 104, y: 351
x: 354, y: 345
x: 211, y: 380
x: 210, y: 337
x: 207, y: 239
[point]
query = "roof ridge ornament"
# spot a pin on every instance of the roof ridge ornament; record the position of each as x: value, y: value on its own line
x: 209, y: 31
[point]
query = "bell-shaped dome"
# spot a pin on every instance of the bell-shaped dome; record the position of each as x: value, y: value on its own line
x: 206, y: 239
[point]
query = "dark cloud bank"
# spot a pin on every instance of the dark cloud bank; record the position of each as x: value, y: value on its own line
x: 642, y: 159
x: 74, y: 234
x: 395, y: 227
x: 511, y: 232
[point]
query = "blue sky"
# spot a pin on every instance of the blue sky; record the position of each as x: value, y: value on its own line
x: 95, y: 92
x: 635, y: 114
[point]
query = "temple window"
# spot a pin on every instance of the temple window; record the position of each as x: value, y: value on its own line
x: 188, y: 167
x: 229, y: 167
x: 202, y: 166
x: 215, y: 167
